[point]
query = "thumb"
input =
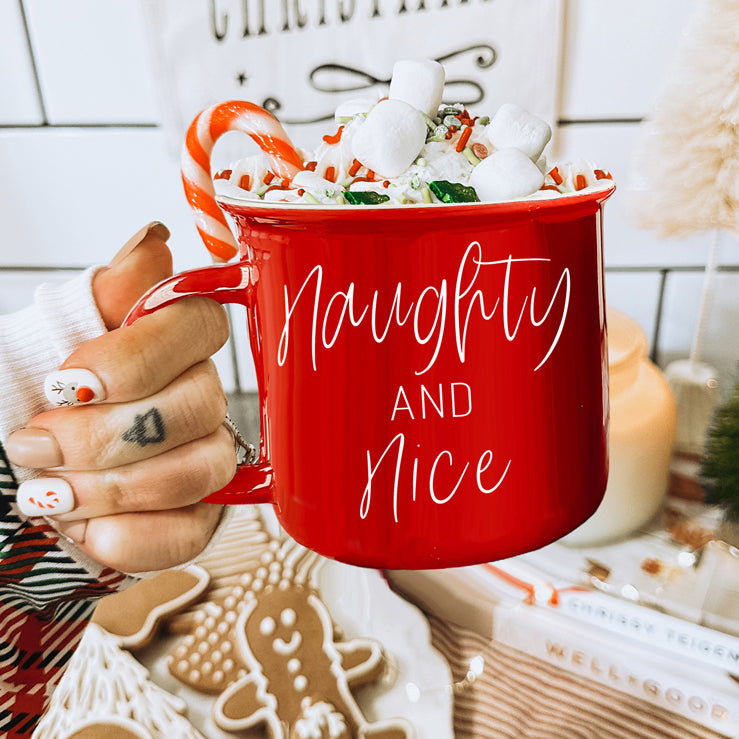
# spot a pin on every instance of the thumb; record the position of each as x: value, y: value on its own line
x: 141, y: 263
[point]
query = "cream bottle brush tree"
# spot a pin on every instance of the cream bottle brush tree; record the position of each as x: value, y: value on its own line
x: 685, y: 179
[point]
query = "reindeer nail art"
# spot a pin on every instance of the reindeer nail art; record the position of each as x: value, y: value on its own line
x: 45, y: 496
x: 73, y: 387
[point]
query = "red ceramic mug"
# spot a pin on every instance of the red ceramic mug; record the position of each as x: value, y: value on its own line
x: 432, y: 379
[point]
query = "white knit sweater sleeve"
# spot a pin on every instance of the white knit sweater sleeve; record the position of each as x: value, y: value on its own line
x: 35, y: 341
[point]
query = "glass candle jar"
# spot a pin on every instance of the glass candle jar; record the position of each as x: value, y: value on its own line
x: 642, y: 432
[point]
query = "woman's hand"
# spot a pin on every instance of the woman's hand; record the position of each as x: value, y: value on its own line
x: 138, y: 439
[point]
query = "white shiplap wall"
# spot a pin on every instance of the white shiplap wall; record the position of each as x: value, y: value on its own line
x: 78, y: 103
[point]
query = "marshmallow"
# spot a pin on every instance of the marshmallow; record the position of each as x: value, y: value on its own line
x: 419, y: 83
x: 514, y: 126
x: 390, y: 138
x: 504, y: 175
x: 312, y: 181
x: 350, y: 108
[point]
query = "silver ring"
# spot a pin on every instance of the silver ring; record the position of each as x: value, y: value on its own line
x: 246, y: 453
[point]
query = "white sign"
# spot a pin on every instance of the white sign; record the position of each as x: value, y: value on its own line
x: 300, y: 58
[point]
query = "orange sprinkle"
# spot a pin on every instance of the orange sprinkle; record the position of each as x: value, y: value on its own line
x: 224, y: 174
x: 268, y: 177
x: 244, y: 182
x: 555, y: 175
x: 549, y: 187
x: 330, y: 174
x: 601, y: 175
x: 356, y: 165
x: 301, y: 192
x: 276, y: 187
x: 386, y: 183
x: 335, y: 138
x: 580, y: 182
x: 463, y: 138
x: 311, y: 166
x: 453, y: 129
x: 362, y: 179
x: 370, y: 175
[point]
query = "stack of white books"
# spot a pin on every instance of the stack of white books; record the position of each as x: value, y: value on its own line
x: 651, y: 617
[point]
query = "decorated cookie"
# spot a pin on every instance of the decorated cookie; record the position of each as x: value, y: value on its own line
x: 295, y: 675
x: 206, y: 659
x: 132, y: 616
x: 238, y: 550
x: 114, y: 728
x: 106, y: 689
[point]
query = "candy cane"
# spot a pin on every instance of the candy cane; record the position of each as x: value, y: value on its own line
x: 205, y: 130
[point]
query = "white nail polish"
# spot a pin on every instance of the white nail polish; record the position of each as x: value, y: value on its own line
x: 45, y: 496
x: 73, y: 387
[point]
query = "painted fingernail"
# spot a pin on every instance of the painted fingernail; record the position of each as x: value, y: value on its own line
x: 45, y: 496
x: 157, y: 228
x: 73, y: 386
x: 33, y: 448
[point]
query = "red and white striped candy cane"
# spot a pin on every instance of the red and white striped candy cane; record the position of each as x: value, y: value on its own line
x: 205, y: 130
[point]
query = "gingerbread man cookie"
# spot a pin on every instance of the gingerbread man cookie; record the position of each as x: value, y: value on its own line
x: 297, y: 683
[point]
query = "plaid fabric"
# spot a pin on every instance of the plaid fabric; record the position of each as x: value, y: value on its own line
x: 46, y: 599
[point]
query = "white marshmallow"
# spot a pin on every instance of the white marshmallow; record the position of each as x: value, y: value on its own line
x: 514, y: 126
x: 312, y: 181
x: 419, y: 83
x: 504, y: 175
x: 390, y: 138
x: 350, y: 108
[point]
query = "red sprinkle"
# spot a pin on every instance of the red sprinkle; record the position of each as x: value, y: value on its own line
x: 330, y: 174
x: 463, y: 138
x: 448, y: 134
x: 244, y: 182
x: 580, y: 183
x: 268, y: 177
x: 453, y: 129
x: 311, y: 166
x: 224, y: 174
x: 335, y: 138
x: 602, y: 175
x: 555, y: 175
x: 356, y: 166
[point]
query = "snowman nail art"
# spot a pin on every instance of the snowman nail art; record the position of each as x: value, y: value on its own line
x: 45, y: 496
x: 73, y: 387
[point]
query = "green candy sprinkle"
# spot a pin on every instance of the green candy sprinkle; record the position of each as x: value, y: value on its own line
x: 415, y: 182
x: 484, y: 120
x: 430, y: 123
x: 426, y: 195
x: 470, y: 156
x: 453, y: 192
x: 365, y: 197
x: 439, y: 134
x: 310, y: 198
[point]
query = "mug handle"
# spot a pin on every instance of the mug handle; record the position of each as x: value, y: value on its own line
x: 224, y: 283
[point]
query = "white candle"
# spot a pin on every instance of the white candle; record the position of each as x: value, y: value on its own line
x: 642, y: 432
